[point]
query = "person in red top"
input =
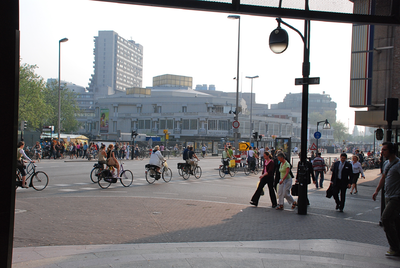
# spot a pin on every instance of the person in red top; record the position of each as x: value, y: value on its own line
x: 267, y: 177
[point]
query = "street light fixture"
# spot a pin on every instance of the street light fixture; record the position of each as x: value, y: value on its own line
x: 278, y: 44
x: 251, y: 106
x: 325, y: 126
x: 59, y: 84
x: 237, y: 17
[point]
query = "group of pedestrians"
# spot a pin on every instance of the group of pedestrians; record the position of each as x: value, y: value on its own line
x: 278, y: 176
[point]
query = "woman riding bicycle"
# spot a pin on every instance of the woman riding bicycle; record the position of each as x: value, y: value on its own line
x: 111, y: 160
x: 102, y: 155
x: 20, y: 162
x: 156, y: 158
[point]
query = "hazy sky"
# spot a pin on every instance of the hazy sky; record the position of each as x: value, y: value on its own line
x: 202, y: 45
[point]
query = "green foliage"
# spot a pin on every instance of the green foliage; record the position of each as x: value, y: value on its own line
x: 340, y: 131
x: 38, y: 103
x: 317, y: 117
x: 69, y: 107
x: 32, y: 105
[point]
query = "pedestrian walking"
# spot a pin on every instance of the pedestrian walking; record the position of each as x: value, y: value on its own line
x: 285, y: 183
x: 391, y: 181
x: 319, y: 168
x: 341, y: 180
x: 84, y: 148
x: 357, y: 169
x: 267, y: 177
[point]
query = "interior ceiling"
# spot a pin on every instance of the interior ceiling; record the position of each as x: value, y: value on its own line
x: 259, y: 8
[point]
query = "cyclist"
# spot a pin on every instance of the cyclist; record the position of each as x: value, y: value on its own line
x: 38, y: 150
x: 190, y: 160
x: 225, y: 158
x: 111, y: 159
x: 102, y: 155
x: 156, y: 158
x: 20, y: 162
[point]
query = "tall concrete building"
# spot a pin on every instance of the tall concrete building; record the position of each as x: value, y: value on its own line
x: 118, y: 64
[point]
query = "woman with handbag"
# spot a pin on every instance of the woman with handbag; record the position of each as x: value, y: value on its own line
x: 285, y: 183
x: 20, y: 162
x: 111, y: 160
x: 267, y: 177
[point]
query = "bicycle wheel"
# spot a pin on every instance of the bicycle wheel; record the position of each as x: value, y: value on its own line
x: 150, y: 179
x: 232, y: 171
x: 18, y: 179
x: 94, y: 174
x: 102, y: 180
x: 39, y: 180
x: 141, y: 156
x: 221, y: 171
x: 180, y: 172
x: 246, y: 170
x: 185, y: 173
x: 126, y: 178
x: 197, y: 172
x: 256, y: 170
x: 167, y: 174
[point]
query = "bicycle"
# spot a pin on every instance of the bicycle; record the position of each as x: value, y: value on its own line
x: 94, y: 174
x: 152, y: 175
x: 38, y: 179
x: 247, y: 170
x: 185, y: 170
x: 107, y: 176
x: 226, y: 169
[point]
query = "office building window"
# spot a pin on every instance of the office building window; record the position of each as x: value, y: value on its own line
x: 212, y: 124
x: 222, y: 125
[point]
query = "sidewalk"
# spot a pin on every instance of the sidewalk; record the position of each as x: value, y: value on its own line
x: 282, y: 254
x: 254, y: 237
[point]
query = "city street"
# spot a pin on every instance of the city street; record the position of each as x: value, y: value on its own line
x: 74, y: 211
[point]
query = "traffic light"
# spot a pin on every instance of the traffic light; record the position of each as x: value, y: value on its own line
x: 24, y: 125
x: 379, y: 134
x: 260, y: 137
x: 134, y: 134
x: 255, y: 135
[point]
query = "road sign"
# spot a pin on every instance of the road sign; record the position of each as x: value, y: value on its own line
x: 235, y: 124
x: 244, y: 146
x: 317, y: 135
x: 303, y: 81
x: 165, y: 131
x: 313, y: 147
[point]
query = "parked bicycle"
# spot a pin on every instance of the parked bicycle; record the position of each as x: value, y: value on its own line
x: 152, y: 175
x: 108, y: 176
x: 38, y: 179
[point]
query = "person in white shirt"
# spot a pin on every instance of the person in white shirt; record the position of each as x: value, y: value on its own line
x: 156, y: 158
x: 357, y: 169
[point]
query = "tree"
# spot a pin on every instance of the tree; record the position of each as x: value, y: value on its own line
x: 339, y: 131
x: 69, y: 107
x: 317, y: 117
x: 32, y: 102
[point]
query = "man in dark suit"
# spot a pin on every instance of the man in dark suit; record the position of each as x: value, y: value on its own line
x: 341, y: 180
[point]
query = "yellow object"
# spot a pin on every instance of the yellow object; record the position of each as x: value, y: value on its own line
x: 244, y: 146
x: 232, y: 163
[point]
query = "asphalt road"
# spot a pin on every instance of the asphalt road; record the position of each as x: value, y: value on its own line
x: 74, y: 211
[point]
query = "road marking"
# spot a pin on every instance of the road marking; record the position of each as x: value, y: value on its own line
x: 62, y: 185
x: 377, y: 207
x: 87, y: 188
x: 358, y: 214
x: 67, y: 190
x: 82, y: 183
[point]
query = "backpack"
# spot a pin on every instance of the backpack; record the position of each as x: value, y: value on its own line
x: 185, y: 154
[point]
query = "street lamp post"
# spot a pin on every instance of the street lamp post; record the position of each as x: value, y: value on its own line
x: 251, y: 105
x: 278, y: 42
x: 59, y: 84
x: 326, y: 126
x: 236, y: 17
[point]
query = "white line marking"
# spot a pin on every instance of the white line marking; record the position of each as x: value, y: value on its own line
x: 358, y: 214
x: 62, y: 185
x: 68, y: 190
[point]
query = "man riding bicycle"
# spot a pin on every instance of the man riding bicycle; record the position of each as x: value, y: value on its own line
x: 188, y: 156
x: 20, y: 162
